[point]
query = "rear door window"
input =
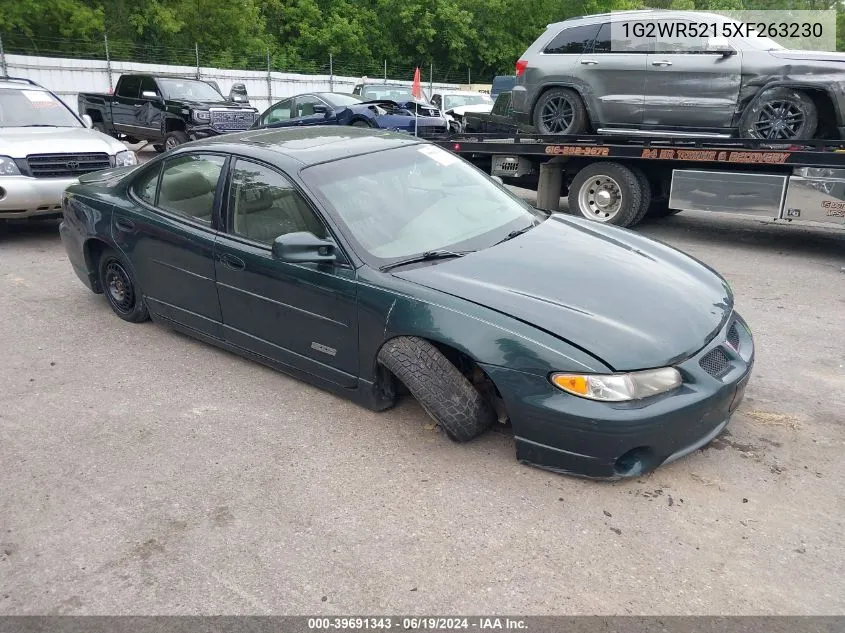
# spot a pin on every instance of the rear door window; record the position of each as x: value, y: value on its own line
x: 146, y: 186
x: 573, y: 40
x: 188, y: 185
x: 129, y: 87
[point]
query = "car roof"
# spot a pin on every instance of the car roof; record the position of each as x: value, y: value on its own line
x: 310, y: 145
x: 617, y: 16
x: 20, y: 84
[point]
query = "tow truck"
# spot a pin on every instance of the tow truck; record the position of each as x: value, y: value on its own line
x: 619, y: 179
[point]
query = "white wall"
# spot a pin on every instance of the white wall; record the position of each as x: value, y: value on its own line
x: 68, y: 77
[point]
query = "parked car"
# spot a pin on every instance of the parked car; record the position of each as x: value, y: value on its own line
x: 498, y: 121
x: 502, y: 83
x: 167, y: 111
x: 398, y: 93
x: 337, y: 108
x: 358, y: 259
x: 575, y: 77
x: 44, y: 147
x: 456, y: 104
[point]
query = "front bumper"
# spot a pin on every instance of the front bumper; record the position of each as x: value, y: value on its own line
x: 27, y: 197
x: 568, y: 434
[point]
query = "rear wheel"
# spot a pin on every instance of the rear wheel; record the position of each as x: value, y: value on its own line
x: 560, y: 111
x: 120, y: 288
x: 360, y: 123
x: 443, y: 391
x: 606, y: 192
x: 646, y: 200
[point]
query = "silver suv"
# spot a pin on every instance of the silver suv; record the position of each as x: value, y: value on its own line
x: 44, y: 147
x: 573, y: 79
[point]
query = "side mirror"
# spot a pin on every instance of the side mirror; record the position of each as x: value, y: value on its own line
x: 303, y: 247
x: 497, y: 179
x: 720, y: 45
x: 320, y: 108
x: 87, y: 120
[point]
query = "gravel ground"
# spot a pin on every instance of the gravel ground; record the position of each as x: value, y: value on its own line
x: 147, y: 473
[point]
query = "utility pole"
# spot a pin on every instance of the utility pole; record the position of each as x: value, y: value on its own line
x: 108, y: 60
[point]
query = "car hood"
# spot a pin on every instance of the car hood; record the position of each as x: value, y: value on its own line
x: 632, y: 302
x: 478, y: 107
x: 19, y: 142
x: 817, y: 56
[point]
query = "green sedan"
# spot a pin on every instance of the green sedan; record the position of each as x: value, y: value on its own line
x: 361, y: 261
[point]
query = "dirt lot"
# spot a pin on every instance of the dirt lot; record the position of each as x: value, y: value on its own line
x: 144, y: 472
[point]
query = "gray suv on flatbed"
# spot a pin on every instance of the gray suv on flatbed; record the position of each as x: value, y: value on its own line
x: 572, y: 79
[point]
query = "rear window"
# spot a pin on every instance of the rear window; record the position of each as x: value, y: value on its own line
x: 573, y: 40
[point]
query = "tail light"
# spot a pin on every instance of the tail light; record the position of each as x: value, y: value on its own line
x: 521, y: 65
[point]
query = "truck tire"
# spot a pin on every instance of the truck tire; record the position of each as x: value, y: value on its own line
x: 174, y: 139
x: 780, y: 114
x: 606, y: 192
x: 560, y: 111
x: 645, y: 201
x: 442, y: 391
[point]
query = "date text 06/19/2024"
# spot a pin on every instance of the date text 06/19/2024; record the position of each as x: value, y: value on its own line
x: 421, y: 623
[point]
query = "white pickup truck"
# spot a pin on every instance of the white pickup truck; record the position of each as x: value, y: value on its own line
x: 44, y: 148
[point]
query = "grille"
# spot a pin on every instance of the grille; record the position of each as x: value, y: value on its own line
x: 733, y: 337
x: 232, y: 120
x: 715, y: 362
x: 430, y: 130
x: 65, y: 165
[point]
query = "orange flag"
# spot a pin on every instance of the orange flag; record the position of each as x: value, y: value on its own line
x: 416, y: 89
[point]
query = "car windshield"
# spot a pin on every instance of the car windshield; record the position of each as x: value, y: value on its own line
x: 189, y: 90
x: 33, y: 108
x: 414, y: 199
x: 340, y: 99
x: 400, y: 94
x: 456, y: 101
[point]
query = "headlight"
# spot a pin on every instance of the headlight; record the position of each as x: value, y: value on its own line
x: 201, y: 115
x: 124, y: 159
x: 619, y: 387
x: 8, y: 167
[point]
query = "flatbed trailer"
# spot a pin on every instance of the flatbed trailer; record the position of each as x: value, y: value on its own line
x: 619, y: 179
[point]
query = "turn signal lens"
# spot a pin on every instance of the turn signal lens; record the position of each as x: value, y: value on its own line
x: 619, y: 387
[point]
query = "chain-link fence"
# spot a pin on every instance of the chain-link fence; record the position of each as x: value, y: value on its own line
x: 108, y: 50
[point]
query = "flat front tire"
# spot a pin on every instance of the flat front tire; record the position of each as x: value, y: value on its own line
x: 121, y: 289
x: 780, y: 114
x: 445, y: 394
x: 606, y: 192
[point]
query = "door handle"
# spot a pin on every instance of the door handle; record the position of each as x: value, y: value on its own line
x: 233, y: 263
x: 661, y: 62
x: 124, y: 225
x: 589, y: 62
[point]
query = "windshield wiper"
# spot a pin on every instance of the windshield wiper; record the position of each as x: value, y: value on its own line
x: 515, y: 233
x: 424, y: 257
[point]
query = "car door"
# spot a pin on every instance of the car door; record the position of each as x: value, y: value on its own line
x: 124, y: 103
x: 311, y: 110
x: 149, y: 116
x: 168, y: 234
x: 278, y: 115
x: 614, y: 72
x: 302, y: 315
x: 689, y: 86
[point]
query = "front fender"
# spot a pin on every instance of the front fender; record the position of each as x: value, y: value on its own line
x: 486, y: 336
x: 753, y: 89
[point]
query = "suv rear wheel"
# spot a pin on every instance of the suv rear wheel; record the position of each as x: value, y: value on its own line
x: 560, y: 111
